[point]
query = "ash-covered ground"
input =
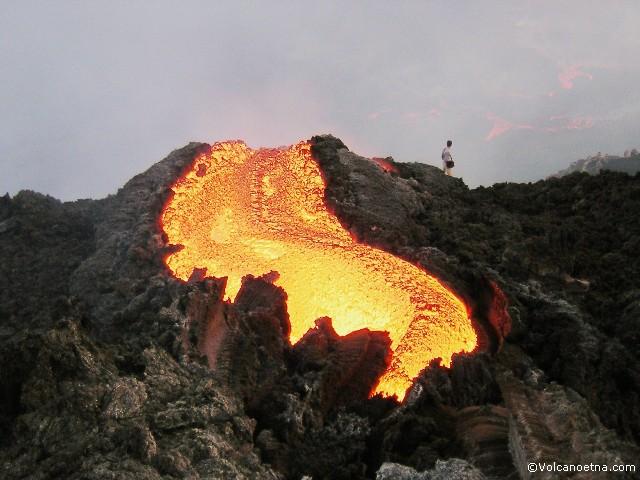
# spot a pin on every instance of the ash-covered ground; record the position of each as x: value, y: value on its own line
x: 101, y: 350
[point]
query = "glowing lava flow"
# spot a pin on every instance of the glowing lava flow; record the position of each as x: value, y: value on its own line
x: 239, y: 211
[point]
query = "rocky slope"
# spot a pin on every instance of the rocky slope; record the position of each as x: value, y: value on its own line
x: 629, y: 163
x: 111, y: 368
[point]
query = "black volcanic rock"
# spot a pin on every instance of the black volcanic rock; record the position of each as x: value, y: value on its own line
x: 347, y: 367
x: 453, y: 469
x: 129, y: 246
x: 81, y: 418
x: 42, y: 242
x: 112, y: 368
x: 469, y: 381
x: 246, y: 343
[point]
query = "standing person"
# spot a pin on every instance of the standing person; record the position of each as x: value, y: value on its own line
x: 447, y: 159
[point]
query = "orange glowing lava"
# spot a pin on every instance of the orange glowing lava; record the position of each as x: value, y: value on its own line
x: 385, y: 164
x: 239, y: 211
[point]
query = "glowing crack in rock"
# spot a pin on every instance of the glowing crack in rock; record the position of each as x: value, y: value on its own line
x: 239, y: 211
x: 385, y: 164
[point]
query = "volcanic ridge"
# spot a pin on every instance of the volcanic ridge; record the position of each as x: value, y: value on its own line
x: 305, y: 311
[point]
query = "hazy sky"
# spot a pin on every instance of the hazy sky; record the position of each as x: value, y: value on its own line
x: 92, y: 93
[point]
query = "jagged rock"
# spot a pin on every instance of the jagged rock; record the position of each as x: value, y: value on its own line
x: 145, y: 425
x: 549, y: 422
x: 592, y: 358
x: 246, y: 343
x: 476, y: 428
x: 128, y: 243
x: 452, y: 469
x: 196, y: 311
x: 42, y: 243
x: 336, y: 451
x: 470, y: 381
x: 126, y: 398
x: 355, y: 187
x: 348, y: 366
x: 262, y: 296
x: 302, y: 436
x: 484, y: 434
x: 5, y: 207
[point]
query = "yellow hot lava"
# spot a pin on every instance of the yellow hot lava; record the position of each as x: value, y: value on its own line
x: 239, y: 211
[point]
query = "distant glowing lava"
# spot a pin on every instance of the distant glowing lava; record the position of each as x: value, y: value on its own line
x: 569, y: 74
x: 239, y: 211
x: 500, y: 126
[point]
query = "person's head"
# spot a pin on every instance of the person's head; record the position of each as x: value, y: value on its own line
x: 449, y: 143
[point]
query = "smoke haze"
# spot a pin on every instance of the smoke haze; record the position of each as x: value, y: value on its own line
x: 92, y: 93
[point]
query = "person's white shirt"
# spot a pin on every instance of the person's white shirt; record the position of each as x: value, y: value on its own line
x: 446, y: 156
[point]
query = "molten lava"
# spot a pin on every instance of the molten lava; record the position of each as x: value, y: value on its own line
x: 239, y: 211
x: 385, y: 164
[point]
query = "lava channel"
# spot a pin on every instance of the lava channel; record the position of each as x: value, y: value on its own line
x: 240, y: 211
